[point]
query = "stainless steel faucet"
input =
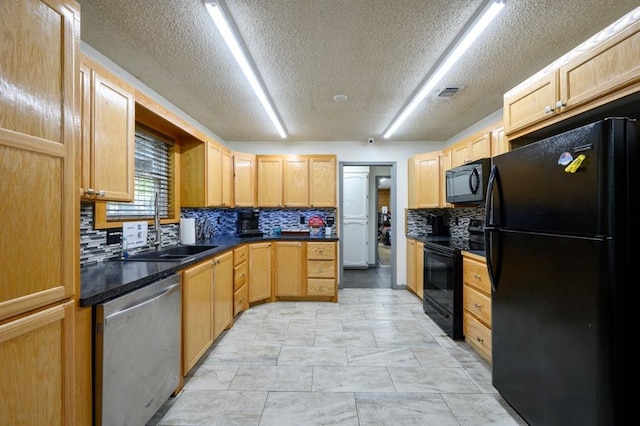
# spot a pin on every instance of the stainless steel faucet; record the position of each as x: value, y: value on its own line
x: 156, y: 220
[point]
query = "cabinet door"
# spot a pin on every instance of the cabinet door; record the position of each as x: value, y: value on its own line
x: 322, y: 182
x: 531, y: 104
x: 460, y: 155
x: 269, y: 181
x: 214, y: 172
x: 499, y: 144
x: 197, y: 313
x: 222, y: 293
x: 419, y: 270
x: 259, y: 271
x: 412, y: 184
x: 112, y: 136
x: 428, y: 170
x: 244, y: 175
x: 226, y: 180
x: 480, y: 147
x: 296, y: 182
x: 411, y: 265
x: 289, y: 261
x: 608, y: 67
x: 445, y: 164
x: 36, y: 354
x: 39, y: 237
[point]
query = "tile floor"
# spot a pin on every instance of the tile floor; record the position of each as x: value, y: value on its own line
x: 374, y: 358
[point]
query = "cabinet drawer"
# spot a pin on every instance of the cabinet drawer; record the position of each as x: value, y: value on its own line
x: 475, y: 274
x: 321, y: 251
x: 239, y: 275
x: 477, y: 303
x: 240, y: 300
x: 321, y: 268
x: 477, y: 335
x: 321, y: 287
x: 240, y: 254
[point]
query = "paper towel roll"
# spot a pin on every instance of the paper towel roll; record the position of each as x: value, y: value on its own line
x: 187, y: 231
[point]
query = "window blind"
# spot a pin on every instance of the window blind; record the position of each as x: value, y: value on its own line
x: 153, y: 171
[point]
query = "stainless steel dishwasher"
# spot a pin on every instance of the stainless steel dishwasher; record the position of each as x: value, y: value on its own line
x: 137, y: 353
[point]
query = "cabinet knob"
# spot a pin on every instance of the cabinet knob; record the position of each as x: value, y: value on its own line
x: 548, y: 109
x: 476, y: 276
x: 477, y: 305
x: 561, y: 104
x: 101, y: 193
x: 89, y: 191
x: 480, y: 339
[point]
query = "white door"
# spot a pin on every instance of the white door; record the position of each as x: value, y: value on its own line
x: 355, y: 219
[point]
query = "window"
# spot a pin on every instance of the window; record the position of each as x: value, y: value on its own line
x: 154, y: 169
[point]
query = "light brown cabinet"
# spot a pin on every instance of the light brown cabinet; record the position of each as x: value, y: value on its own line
x: 471, y: 149
x: 476, y: 302
x: 222, y: 293
x: 260, y: 272
x: 240, y: 279
x: 603, y: 69
x: 296, y: 181
x: 322, y: 269
x: 270, y: 179
x: 424, y: 180
x: 40, y: 265
x: 415, y: 265
x: 445, y: 164
x: 288, y: 269
x: 108, y: 135
x: 322, y: 181
x: 411, y: 265
x: 244, y: 179
x: 206, y: 174
x: 197, y: 313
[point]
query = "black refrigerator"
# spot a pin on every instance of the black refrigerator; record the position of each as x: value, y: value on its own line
x: 558, y: 231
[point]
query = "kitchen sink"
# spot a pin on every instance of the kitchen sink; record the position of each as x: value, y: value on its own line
x: 170, y: 254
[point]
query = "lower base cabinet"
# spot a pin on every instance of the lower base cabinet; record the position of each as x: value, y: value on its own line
x: 476, y: 301
x: 222, y: 293
x: 36, y: 359
x: 197, y: 313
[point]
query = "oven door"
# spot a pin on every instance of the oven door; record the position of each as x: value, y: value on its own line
x: 443, y: 289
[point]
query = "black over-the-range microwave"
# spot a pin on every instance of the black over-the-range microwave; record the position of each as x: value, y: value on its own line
x: 467, y: 184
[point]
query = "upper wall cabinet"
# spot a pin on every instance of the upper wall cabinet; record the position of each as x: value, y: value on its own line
x: 270, y: 177
x: 108, y: 135
x: 206, y: 174
x: 296, y: 181
x: 471, y: 149
x: 604, y: 69
x: 244, y: 179
x: 424, y: 180
x: 322, y: 181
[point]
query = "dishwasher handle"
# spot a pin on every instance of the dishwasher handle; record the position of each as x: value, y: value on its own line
x: 142, y: 304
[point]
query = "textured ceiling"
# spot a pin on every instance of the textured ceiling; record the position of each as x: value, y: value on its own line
x: 375, y: 52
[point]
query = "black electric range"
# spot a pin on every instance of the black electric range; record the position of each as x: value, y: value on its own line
x: 442, y: 277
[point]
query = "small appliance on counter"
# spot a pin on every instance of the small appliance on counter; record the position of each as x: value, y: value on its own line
x: 248, y: 223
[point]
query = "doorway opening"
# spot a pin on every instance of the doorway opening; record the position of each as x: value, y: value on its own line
x: 367, y: 200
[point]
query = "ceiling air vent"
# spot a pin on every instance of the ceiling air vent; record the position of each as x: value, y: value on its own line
x: 447, y: 92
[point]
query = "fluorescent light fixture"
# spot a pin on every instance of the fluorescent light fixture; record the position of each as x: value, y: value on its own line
x: 485, y: 17
x: 218, y: 14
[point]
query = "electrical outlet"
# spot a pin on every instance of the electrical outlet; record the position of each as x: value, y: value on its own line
x: 301, y: 220
x: 114, y: 235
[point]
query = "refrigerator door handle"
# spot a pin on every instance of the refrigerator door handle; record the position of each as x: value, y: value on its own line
x: 490, y: 227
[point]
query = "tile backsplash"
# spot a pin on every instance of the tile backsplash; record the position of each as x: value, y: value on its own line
x: 458, y: 219
x: 209, y: 223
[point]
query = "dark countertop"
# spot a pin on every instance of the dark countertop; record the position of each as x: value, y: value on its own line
x: 106, y: 280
